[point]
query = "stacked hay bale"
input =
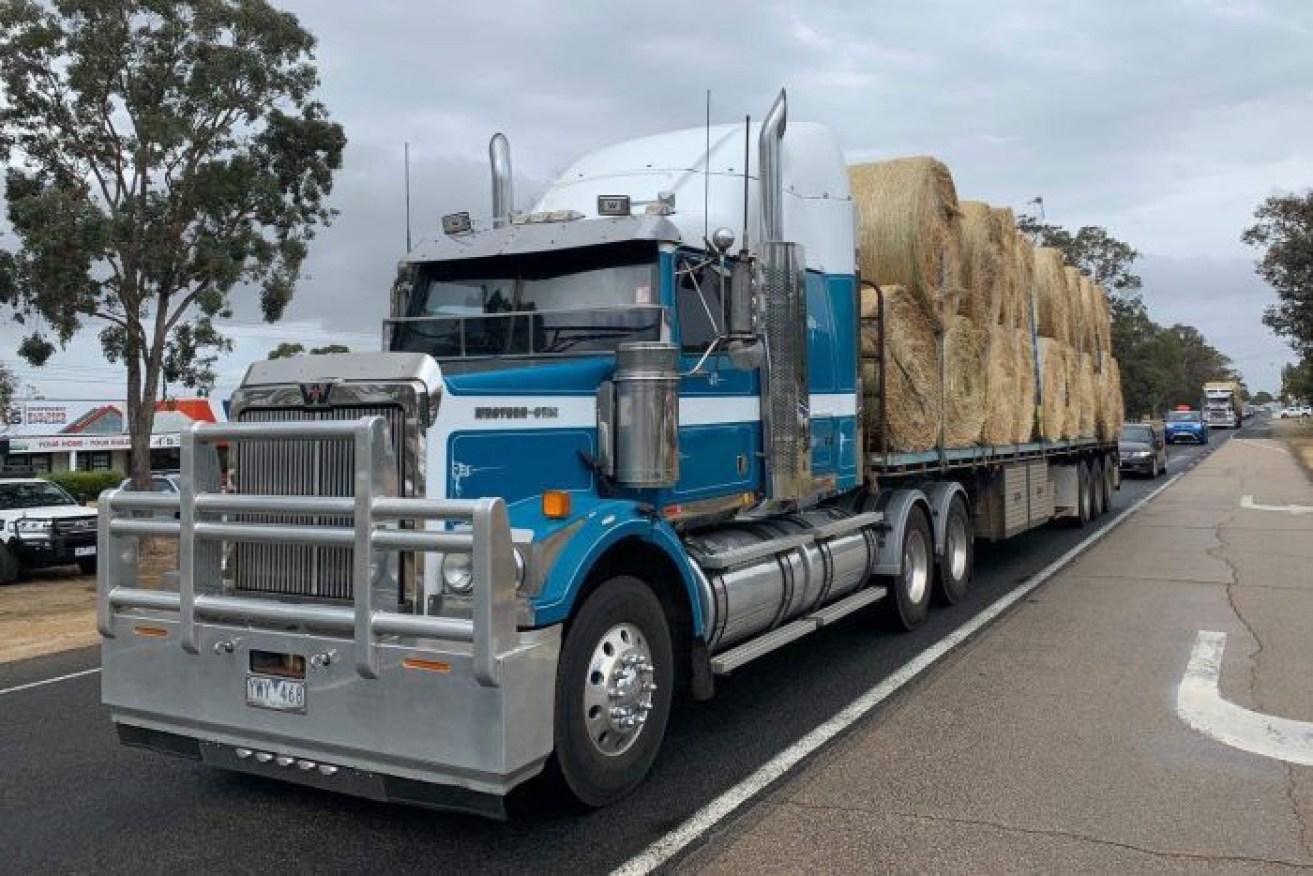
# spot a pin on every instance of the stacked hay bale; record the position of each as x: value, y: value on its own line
x: 907, y: 231
x: 987, y: 340
x: 912, y: 394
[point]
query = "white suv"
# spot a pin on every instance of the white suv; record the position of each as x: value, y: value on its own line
x: 1295, y: 412
x: 42, y: 525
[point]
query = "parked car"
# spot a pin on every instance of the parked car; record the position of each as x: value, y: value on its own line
x: 1295, y: 412
x: 159, y: 483
x: 1142, y: 449
x: 1185, y: 426
x: 42, y: 525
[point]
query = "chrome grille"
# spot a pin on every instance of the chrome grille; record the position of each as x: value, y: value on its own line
x: 303, y: 468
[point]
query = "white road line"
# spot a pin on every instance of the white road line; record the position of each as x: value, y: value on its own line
x: 30, y: 685
x: 1199, y: 703
x: 665, y: 848
x: 1262, y: 445
x: 1248, y: 502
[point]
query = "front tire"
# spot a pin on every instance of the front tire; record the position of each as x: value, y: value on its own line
x: 908, y: 603
x: 613, y: 691
x: 87, y: 565
x: 8, y: 566
x: 955, y: 563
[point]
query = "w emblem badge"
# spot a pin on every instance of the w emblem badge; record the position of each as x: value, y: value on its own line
x: 315, y: 395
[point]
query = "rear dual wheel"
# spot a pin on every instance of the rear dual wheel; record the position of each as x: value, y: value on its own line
x: 955, y: 563
x: 907, y: 605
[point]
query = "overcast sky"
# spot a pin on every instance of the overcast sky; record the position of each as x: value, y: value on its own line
x: 1165, y: 122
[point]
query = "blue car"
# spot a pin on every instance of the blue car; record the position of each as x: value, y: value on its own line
x: 1185, y: 426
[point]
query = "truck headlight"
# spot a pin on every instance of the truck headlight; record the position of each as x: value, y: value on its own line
x: 37, y: 529
x: 458, y: 573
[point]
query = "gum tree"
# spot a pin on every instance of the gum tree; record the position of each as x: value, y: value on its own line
x: 164, y: 156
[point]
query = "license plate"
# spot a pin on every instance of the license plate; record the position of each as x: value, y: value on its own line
x: 87, y: 551
x: 282, y: 694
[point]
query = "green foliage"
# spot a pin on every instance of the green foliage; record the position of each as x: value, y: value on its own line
x: 1297, y: 381
x: 86, y: 486
x: 1284, y: 234
x: 162, y: 155
x: 1160, y: 367
x: 8, y: 388
x: 287, y: 350
x: 1262, y: 397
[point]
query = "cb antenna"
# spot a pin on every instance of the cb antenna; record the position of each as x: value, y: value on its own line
x: 407, y: 162
x: 706, y: 175
x: 747, y: 145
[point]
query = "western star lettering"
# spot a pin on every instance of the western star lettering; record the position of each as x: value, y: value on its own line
x: 515, y: 413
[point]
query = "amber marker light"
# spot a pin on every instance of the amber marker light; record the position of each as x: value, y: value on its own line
x: 426, y: 665
x: 556, y: 504
x: 151, y: 632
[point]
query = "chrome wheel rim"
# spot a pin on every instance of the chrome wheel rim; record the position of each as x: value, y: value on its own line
x: 957, y: 547
x: 916, y: 565
x: 618, y: 689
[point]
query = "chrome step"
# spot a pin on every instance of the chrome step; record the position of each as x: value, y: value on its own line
x: 723, y: 664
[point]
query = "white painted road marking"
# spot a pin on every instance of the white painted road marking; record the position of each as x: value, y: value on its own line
x: 1248, y: 502
x: 665, y: 848
x: 1199, y: 703
x: 46, y: 681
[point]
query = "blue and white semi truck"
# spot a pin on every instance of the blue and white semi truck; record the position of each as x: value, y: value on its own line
x: 605, y: 457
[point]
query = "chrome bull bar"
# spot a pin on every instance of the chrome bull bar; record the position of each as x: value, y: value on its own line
x: 200, y: 530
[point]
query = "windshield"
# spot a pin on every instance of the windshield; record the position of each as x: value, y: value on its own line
x: 570, y: 301
x: 34, y: 494
x: 1137, y: 433
x: 1183, y: 417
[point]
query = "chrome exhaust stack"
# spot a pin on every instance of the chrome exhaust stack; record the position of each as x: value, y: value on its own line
x: 499, y: 155
x: 769, y: 171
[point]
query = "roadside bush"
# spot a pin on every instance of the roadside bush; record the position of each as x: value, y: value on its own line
x: 86, y: 486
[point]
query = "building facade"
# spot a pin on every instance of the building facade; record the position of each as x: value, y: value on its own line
x: 54, y: 436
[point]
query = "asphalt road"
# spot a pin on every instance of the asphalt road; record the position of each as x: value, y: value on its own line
x: 72, y: 799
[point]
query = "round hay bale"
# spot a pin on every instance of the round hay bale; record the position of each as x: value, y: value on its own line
x: 964, y: 394
x: 907, y: 229
x: 1052, y: 384
x: 984, y: 271
x: 1024, y: 421
x: 1002, y: 387
x: 1053, y: 304
x: 1075, y: 308
x: 1089, y: 308
x: 1111, y: 407
x: 912, y: 393
x: 1102, y: 320
x: 1016, y: 308
x: 1085, y: 401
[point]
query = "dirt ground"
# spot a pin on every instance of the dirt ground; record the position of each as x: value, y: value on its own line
x: 1299, y: 436
x: 54, y: 610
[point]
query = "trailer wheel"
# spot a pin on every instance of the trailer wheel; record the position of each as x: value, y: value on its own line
x: 1083, y: 499
x: 1110, y: 473
x: 910, y: 588
x: 1096, y: 489
x: 613, y: 691
x: 8, y: 566
x: 955, y: 563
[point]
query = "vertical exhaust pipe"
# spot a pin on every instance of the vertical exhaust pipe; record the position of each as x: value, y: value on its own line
x: 499, y: 155
x: 769, y: 171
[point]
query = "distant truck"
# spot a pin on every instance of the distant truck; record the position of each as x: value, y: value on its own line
x: 1223, y: 407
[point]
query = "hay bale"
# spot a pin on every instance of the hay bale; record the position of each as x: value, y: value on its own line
x: 1075, y: 308
x: 1015, y: 307
x: 1103, y: 320
x: 984, y: 271
x: 964, y: 394
x: 1089, y: 307
x: 1002, y: 388
x: 1111, y: 407
x: 907, y: 229
x: 912, y: 393
x: 1053, y: 304
x: 1024, y: 421
x: 1052, y: 384
x: 1085, y: 396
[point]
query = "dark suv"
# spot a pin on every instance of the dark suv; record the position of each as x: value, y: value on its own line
x: 1142, y: 449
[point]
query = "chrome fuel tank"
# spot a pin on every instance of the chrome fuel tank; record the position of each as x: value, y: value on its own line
x: 763, y: 573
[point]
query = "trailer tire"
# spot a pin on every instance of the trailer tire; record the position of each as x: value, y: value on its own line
x: 1083, y: 499
x: 1110, y: 473
x: 8, y: 565
x: 956, y: 561
x: 1096, y: 489
x: 908, y: 603
x: 619, y: 640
